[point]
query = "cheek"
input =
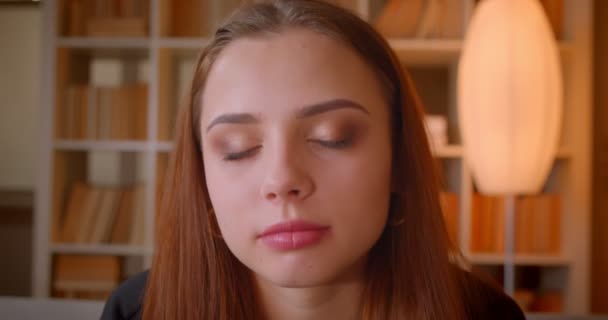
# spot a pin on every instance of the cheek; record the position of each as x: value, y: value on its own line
x: 358, y: 190
x: 228, y: 199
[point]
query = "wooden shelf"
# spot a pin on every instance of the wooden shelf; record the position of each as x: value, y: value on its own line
x: 182, y: 43
x: 557, y: 316
x: 520, y: 260
x: 457, y: 151
x: 449, y: 151
x: 439, y: 51
x: 100, y: 249
x: 84, y: 42
x: 164, y: 146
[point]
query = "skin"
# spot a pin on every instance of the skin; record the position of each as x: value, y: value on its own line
x: 295, y: 125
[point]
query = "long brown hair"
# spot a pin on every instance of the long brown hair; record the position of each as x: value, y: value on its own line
x: 195, y: 276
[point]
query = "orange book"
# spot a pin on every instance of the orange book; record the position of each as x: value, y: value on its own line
x: 541, y: 221
x: 106, y: 215
x: 529, y: 226
x: 117, y: 27
x: 83, y: 119
x: 121, y: 228
x: 129, y: 114
x: 91, y: 132
x: 115, y: 113
x: 451, y: 19
x: 555, y: 214
x: 487, y: 226
x: 476, y: 224
x: 104, y: 101
x: 73, y: 212
x: 86, y: 273
x: 70, y: 115
x: 142, y: 98
x: 88, y: 214
x: 137, y: 231
x: 189, y: 17
x: 498, y: 227
x: 399, y: 18
x: 519, y: 225
x: 76, y: 18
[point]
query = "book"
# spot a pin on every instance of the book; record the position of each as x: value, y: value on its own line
x: 114, y: 26
x: 74, y: 274
x: 399, y: 18
x: 121, y: 229
x: 430, y: 21
x: 72, y: 216
x: 487, y: 224
x: 538, y: 224
x: 107, y: 18
x: 139, y: 102
x: 451, y: 20
x: 105, y: 113
x: 137, y: 231
x: 88, y: 214
x: 104, y: 220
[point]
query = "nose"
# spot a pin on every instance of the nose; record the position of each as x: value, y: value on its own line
x: 287, y: 179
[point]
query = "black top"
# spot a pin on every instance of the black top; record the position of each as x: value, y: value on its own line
x: 484, y: 300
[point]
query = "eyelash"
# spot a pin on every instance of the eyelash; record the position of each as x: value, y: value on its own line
x: 333, y: 144
x: 240, y: 155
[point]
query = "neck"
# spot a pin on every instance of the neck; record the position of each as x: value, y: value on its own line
x: 336, y: 301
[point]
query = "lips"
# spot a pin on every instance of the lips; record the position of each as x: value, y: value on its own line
x: 293, y: 234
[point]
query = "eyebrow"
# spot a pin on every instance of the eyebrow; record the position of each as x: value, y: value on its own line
x: 305, y: 112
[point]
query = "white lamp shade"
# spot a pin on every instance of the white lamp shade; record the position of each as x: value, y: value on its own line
x: 510, y: 97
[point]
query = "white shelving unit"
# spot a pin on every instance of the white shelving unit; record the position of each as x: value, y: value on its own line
x: 571, y: 172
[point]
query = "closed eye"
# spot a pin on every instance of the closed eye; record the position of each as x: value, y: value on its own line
x: 334, y: 144
x: 241, y: 155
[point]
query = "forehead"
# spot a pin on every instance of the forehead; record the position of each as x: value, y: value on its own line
x: 283, y: 71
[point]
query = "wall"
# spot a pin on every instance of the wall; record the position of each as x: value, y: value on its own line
x: 19, y: 137
x: 19, y: 95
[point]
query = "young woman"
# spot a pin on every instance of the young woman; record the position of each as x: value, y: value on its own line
x: 302, y: 185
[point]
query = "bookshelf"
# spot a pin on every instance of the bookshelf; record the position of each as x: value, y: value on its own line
x: 160, y: 57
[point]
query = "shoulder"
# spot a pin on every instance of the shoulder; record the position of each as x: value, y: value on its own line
x: 126, y: 300
x: 484, y: 299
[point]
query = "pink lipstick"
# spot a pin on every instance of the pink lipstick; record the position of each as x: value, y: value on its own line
x: 293, y: 234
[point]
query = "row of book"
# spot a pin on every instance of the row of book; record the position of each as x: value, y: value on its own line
x: 536, y: 223
x: 105, y: 18
x: 397, y: 18
x: 421, y: 19
x: 554, y: 9
x: 86, y: 276
x: 441, y: 19
x: 195, y: 18
x: 91, y: 112
x: 96, y: 215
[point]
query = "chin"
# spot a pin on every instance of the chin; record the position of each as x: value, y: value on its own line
x: 301, y: 279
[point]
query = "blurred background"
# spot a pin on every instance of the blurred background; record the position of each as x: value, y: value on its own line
x: 88, y: 95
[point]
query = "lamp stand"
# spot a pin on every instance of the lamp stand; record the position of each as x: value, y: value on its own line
x: 509, y: 266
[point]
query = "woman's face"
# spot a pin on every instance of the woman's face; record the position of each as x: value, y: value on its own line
x: 297, y: 155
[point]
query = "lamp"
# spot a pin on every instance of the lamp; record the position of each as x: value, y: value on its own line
x: 510, y: 102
